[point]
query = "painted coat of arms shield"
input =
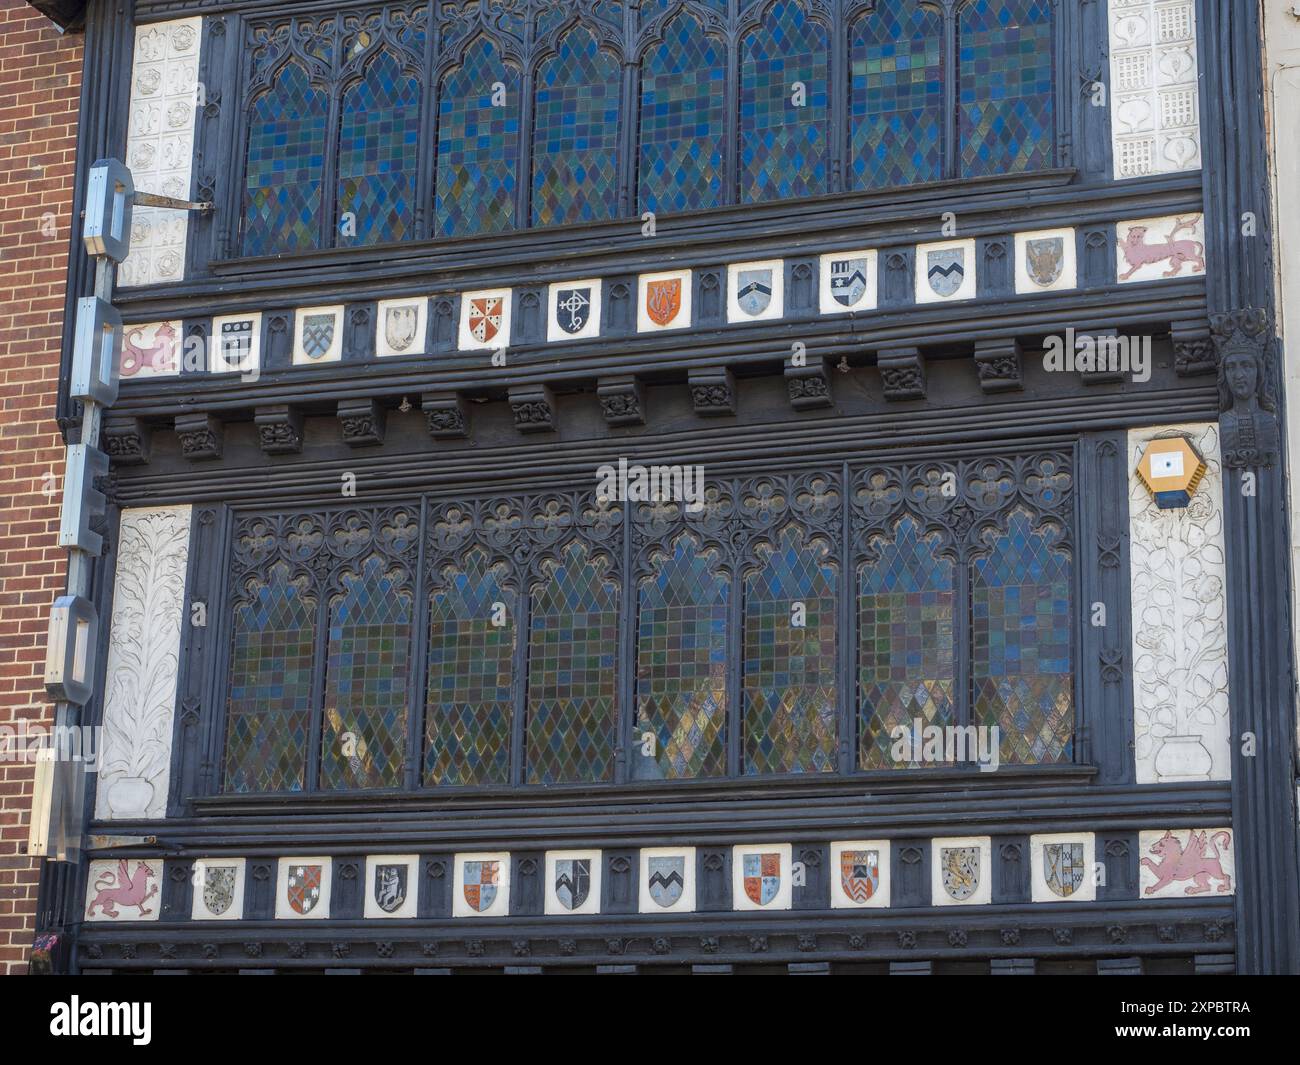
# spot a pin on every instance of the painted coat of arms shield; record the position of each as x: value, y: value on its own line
x: 848, y: 280
x: 762, y: 876
x: 218, y: 888
x: 236, y: 342
x: 663, y: 299
x: 961, y: 871
x: 572, y: 309
x: 485, y: 318
x: 317, y: 334
x: 1044, y: 259
x: 753, y: 290
x: 400, y: 324
x: 390, y: 887
x: 480, y: 887
x: 1063, y: 868
x: 666, y: 879
x: 945, y: 269
x: 572, y: 881
x: 860, y: 874
x: 303, y: 891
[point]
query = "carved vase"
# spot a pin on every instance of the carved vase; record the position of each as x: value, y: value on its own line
x: 129, y: 797
x: 1183, y: 758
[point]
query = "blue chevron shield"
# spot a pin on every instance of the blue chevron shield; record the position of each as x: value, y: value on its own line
x: 666, y: 879
x: 945, y: 270
x: 572, y: 881
x: 848, y: 280
x: 753, y: 290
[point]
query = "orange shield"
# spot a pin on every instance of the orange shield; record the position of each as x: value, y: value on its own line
x: 663, y: 299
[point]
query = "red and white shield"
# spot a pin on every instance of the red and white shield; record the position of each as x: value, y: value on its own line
x: 485, y: 318
x: 663, y: 299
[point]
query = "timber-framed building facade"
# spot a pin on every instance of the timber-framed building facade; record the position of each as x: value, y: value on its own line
x: 910, y: 665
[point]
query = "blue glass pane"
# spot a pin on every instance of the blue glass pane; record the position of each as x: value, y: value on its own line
x: 789, y: 678
x: 1020, y: 641
x: 783, y: 145
x: 478, y: 145
x: 896, y: 105
x: 682, y: 666
x: 572, y: 676
x: 1005, y: 113
x: 683, y: 115
x: 575, y: 134
x: 268, y: 715
x: 379, y: 147
x: 286, y: 154
x: 906, y: 666
x: 363, y: 740
x: 469, y: 705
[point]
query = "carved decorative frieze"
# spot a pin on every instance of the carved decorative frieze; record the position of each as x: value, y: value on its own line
x: 902, y: 373
x: 143, y: 662
x: 998, y: 363
x: 713, y: 391
x: 1194, y: 352
x: 126, y: 441
x: 279, y: 429
x: 363, y: 421
x: 446, y: 415
x: 809, y: 385
x: 1180, y: 635
x: 201, y: 436
x: 622, y: 400
x: 534, y: 409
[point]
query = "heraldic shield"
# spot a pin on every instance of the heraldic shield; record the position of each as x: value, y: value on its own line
x: 848, y: 280
x: 754, y: 290
x: 762, y: 872
x: 663, y: 299
x: 317, y: 334
x: 572, y: 308
x: 218, y: 888
x: 1044, y: 259
x: 666, y: 879
x: 1063, y: 868
x: 961, y: 871
x: 481, y: 881
x: 303, y: 888
x: 400, y: 324
x: 860, y: 874
x: 572, y: 881
x: 390, y: 887
x: 945, y: 270
x: 485, y: 318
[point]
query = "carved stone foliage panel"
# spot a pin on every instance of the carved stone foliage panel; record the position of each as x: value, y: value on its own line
x: 1155, y: 110
x: 160, y: 146
x: 1180, y: 638
x: 143, y: 662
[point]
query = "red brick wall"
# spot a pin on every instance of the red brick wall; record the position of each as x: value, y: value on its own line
x: 40, y: 80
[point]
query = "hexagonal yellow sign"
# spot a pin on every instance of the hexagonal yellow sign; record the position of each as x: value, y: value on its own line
x: 1171, y: 469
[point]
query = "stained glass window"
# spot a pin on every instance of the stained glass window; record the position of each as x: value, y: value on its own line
x: 379, y: 146
x: 1005, y: 112
x: 683, y: 120
x: 896, y: 106
x: 478, y: 144
x: 783, y: 130
x: 285, y: 159
x: 575, y: 134
x: 469, y: 705
x: 1020, y: 640
x: 906, y: 667
x: 682, y: 665
x: 572, y: 680
x: 789, y: 668
x: 268, y: 715
x: 363, y: 740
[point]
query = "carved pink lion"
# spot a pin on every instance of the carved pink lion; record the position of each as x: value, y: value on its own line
x: 128, y: 891
x: 1138, y: 253
x: 1177, y: 864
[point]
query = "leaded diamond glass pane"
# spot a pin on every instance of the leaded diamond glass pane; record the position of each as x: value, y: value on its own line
x: 575, y: 134
x: 783, y: 143
x: 906, y: 666
x: 269, y: 710
x: 896, y: 101
x: 1020, y: 639
x: 469, y: 705
x: 682, y: 665
x: 282, y: 176
x: 363, y: 741
x: 478, y: 145
x: 683, y: 117
x: 789, y: 670
x: 572, y: 676
x: 1005, y: 111
x: 378, y: 151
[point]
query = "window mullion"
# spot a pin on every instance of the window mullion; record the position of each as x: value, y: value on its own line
x: 951, y: 85
x: 518, y: 720
x: 963, y: 690
x: 329, y: 222
x: 319, y: 679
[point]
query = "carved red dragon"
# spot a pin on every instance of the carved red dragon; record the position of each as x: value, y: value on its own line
x: 128, y: 891
x: 1190, y: 863
x: 1138, y: 253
